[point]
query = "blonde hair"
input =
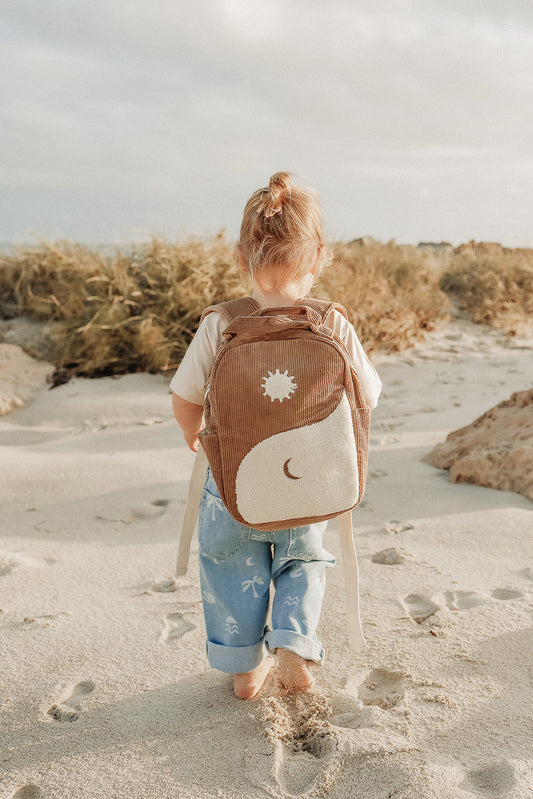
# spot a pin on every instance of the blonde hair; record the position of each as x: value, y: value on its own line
x: 281, y: 234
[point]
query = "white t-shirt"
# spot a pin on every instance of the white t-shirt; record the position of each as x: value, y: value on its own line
x: 190, y: 380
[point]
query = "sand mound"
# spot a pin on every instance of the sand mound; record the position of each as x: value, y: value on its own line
x: 496, y: 450
x: 20, y: 377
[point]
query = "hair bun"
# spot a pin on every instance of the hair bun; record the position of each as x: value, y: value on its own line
x: 279, y: 188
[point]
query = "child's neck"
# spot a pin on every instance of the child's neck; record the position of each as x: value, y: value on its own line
x: 273, y: 299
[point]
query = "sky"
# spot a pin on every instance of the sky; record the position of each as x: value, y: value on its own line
x: 412, y: 119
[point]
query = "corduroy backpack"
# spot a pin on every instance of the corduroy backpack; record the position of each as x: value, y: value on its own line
x: 286, y: 427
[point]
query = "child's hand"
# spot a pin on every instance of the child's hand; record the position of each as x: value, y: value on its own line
x: 189, y: 417
x: 192, y: 441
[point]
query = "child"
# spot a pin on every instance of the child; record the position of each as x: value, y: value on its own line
x: 282, y: 248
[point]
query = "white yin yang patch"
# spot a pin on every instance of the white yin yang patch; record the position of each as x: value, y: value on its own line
x: 282, y: 477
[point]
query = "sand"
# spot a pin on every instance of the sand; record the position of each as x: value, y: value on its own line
x: 495, y: 450
x: 106, y: 691
x: 20, y: 377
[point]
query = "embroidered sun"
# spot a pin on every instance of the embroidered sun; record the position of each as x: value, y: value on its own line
x: 279, y: 386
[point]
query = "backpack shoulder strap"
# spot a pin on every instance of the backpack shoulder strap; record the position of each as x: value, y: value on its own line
x: 242, y: 306
x: 190, y: 514
x: 323, y: 307
x: 351, y: 582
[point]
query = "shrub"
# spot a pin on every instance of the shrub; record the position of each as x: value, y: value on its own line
x: 493, y: 284
x: 137, y: 308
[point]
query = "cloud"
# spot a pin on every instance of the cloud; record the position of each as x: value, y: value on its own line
x: 185, y: 107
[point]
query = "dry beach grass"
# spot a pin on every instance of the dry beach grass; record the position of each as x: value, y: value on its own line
x: 137, y: 308
x: 493, y: 284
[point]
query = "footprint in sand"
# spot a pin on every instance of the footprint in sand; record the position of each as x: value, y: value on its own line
x: 506, y: 593
x: 165, y: 585
x: 12, y: 560
x: 144, y: 510
x: 299, y: 773
x: 349, y: 712
x: 28, y: 792
x: 367, y: 704
x: 383, y: 688
x: 490, y: 780
x: 394, y: 527
x: 345, y: 702
x: 175, y: 625
x: 462, y: 600
x: 386, y: 440
x: 147, y: 510
x: 388, y: 557
x: 8, y: 562
x: 304, y: 741
x: 527, y: 573
x: 69, y: 704
x: 420, y: 607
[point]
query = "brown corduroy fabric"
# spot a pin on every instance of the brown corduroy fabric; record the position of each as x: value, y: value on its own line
x: 280, y: 370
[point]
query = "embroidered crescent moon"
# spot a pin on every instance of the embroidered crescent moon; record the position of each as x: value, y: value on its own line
x: 286, y: 470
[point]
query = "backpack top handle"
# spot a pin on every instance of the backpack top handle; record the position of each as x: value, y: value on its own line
x: 274, y: 321
x: 300, y: 312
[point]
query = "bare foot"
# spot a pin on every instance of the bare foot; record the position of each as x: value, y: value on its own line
x: 248, y: 684
x: 294, y: 671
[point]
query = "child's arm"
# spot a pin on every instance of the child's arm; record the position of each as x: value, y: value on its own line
x: 189, y: 417
x: 369, y: 378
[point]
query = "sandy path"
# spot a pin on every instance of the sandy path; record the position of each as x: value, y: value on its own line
x: 105, y: 688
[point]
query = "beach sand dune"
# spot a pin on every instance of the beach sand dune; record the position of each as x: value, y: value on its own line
x: 106, y: 691
x: 495, y: 450
x: 20, y: 377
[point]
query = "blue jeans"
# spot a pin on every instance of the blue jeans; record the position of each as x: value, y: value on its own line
x: 237, y: 565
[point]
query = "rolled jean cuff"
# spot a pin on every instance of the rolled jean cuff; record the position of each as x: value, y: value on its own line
x: 235, y: 659
x: 302, y: 645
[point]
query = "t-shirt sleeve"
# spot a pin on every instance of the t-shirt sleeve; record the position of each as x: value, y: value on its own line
x: 368, y: 377
x: 191, y: 377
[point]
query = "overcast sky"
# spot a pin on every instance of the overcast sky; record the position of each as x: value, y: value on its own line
x: 121, y: 118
